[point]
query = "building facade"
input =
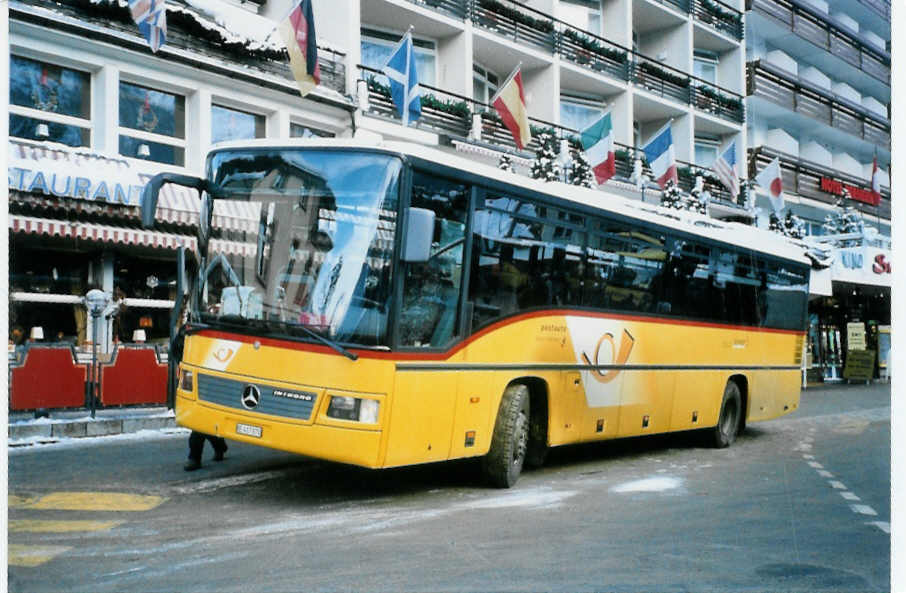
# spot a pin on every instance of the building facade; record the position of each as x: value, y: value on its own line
x: 818, y: 98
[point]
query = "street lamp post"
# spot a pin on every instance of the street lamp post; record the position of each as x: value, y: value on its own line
x: 96, y: 301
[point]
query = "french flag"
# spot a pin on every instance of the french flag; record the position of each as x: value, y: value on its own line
x: 661, y: 158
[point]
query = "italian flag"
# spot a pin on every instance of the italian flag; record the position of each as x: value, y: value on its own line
x: 510, y: 105
x: 597, y: 142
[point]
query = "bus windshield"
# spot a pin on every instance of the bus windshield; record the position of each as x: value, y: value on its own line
x: 302, y: 239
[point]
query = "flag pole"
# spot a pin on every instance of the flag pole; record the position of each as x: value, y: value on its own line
x: 508, y: 80
x: 285, y: 16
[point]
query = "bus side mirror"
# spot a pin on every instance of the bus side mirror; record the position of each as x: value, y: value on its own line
x: 419, y: 234
x: 151, y: 191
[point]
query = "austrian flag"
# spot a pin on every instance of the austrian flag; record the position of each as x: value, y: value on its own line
x: 597, y: 142
x: 298, y: 32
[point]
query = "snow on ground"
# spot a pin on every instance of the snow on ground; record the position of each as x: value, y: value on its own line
x: 648, y: 485
x: 42, y: 443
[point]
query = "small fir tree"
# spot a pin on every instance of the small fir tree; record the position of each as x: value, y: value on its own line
x: 545, y: 166
x: 775, y: 224
x: 505, y: 163
x: 844, y: 219
x: 793, y: 226
x: 580, y: 174
x: 697, y: 200
x: 672, y: 197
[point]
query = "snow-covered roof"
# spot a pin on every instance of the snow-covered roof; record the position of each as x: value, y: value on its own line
x: 727, y: 232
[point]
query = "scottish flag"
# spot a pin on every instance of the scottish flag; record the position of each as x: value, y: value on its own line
x: 404, y: 89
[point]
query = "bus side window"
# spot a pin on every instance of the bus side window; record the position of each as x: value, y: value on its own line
x: 431, y: 289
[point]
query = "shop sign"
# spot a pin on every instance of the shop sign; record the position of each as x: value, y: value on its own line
x: 863, y: 265
x: 855, y: 335
x: 84, y: 177
x: 856, y: 193
x: 860, y: 365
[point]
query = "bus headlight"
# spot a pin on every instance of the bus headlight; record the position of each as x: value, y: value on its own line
x: 357, y: 409
x: 186, y: 380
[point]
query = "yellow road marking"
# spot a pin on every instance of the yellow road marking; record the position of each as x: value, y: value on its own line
x: 96, y: 501
x: 43, y: 526
x: 18, y: 502
x: 20, y: 555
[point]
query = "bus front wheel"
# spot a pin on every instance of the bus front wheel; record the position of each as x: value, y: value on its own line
x: 730, y: 414
x: 503, y: 463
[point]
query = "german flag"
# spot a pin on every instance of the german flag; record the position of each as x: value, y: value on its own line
x: 298, y: 32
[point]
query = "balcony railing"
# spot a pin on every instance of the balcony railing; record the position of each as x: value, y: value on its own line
x: 722, y: 17
x: 660, y: 79
x: 514, y: 21
x: 591, y: 51
x: 712, y: 99
x: 812, y: 26
x: 442, y: 112
x: 803, y: 177
x: 774, y: 85
x: 455, y: 8
x: 333, y: 69
x: 882, y: 7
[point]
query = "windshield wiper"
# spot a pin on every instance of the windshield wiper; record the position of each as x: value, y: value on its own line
x: 284, y: 327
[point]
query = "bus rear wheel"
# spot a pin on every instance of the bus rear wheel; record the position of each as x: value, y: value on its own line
x: 728, y: 422
x: 503, y: 463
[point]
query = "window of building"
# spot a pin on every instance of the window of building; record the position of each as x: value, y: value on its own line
x: 484, y: 84
x: 378, y: 45
x: 584, y: 15
x: 577, y: 113
x: 152, y: 124
x: 48, y: 102
x: 232, y: 124
x: 705, y: 66
x: 302, y: 131
x: 706, y: 150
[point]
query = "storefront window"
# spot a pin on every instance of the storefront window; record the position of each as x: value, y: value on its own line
x: 152, y: 124
x: 49, y: 102
x: 48, y: 272
x: 232, y: 124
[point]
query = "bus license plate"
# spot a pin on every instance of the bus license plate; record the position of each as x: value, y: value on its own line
x: 248, y: 430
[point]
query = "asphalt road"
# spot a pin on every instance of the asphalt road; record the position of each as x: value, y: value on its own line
x: 796, y: 504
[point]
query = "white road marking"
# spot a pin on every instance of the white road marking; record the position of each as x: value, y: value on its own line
x: 863, y: 509
x: 815, y: 465
x: 837, y: 485
x: 825, y: 474
x: 882, y: 525
x: 218, y: 483
x: 849, y: 496
x: 807, y: 456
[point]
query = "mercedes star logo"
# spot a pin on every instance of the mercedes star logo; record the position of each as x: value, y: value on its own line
x: 250, y: 397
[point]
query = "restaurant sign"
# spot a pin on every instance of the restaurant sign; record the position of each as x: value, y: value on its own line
x: 75, y: 175
x: 860, y: 195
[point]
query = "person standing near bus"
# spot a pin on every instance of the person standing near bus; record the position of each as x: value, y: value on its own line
x: 196, y: 447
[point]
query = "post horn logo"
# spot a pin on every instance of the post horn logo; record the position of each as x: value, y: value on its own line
x: 223, y: 354
x: 617, y: 357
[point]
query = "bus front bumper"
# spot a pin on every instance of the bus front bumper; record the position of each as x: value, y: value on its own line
x: 330, y: 441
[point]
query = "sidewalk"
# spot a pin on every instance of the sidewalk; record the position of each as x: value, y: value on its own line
x: 25, y: 429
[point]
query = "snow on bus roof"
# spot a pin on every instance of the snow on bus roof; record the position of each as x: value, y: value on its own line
x: 732, y: 233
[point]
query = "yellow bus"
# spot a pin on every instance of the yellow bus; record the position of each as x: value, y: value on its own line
x: 394, y: 304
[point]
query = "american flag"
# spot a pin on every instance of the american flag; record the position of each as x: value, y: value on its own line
x: 725, y: 167
x: 151, y: 18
